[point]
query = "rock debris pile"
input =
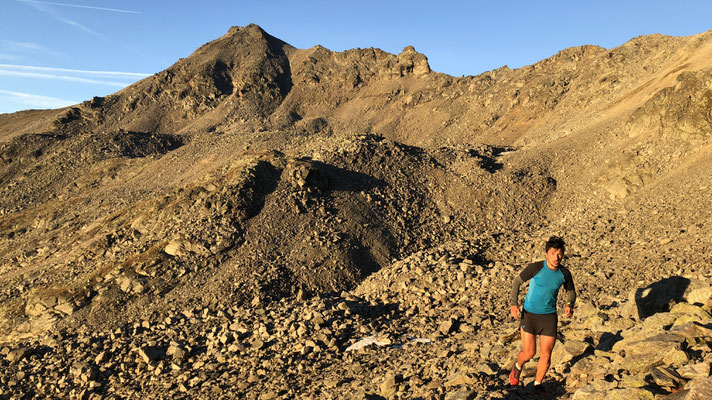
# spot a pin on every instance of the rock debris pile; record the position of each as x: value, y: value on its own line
x: 412, y: 330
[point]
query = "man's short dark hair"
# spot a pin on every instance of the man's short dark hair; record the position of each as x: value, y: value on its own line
x: 554, y: 242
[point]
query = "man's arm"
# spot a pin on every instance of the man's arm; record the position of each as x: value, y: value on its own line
x: 569, y: 287
x: 514, y: 293
x: 526, y: 274
x: 570, y: 292
x: 514, y: 297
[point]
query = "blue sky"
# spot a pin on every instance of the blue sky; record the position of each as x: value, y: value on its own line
x: 56, y: 53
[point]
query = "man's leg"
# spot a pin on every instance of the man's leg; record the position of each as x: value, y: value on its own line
x: 546, y: 345
x: 528, y: 348
x: 528, y: 351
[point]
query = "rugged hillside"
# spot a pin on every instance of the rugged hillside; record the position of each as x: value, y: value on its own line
x: 202, y: 207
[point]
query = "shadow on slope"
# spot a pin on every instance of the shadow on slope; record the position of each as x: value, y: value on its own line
x: 659, y: 296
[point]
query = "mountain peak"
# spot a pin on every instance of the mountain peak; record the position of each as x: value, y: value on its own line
x: 250, y: 28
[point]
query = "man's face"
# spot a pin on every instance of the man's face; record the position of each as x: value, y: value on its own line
x: 554, y: 257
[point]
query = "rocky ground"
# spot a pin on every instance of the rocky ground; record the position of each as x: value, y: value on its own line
x: 259, y: 221
x: 419, y: 328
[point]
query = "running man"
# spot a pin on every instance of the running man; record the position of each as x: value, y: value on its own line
x: 538, y: 316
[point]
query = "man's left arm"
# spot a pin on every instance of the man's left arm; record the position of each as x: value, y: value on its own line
x: 570, y: 293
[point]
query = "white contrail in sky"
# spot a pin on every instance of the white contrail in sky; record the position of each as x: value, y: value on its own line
x: 75, y: 71
x: 36, y: 100
x: 80, y: 6
x: 80, y: 26
x: 38, y: 5
x: 22, y: 45
x: 22, y: 74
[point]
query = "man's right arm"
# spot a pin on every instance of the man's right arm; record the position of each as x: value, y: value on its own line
x: 514, y: 297
x: 526, y: 274
x: 514, y: 293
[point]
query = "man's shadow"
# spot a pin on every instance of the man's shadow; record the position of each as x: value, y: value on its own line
x: 554, y: 390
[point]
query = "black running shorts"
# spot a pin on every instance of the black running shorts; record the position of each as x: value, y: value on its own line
x: 539, y: 324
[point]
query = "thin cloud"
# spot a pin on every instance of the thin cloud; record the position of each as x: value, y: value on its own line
x: 80, y: 27
x: 41, y: 7
x: 75, y: 71
x: 9, y: 57
x: 11, y: 44
x: 36, y: 101
x: 27, y: 47
x: 80, y: 6
x: 23, y: 74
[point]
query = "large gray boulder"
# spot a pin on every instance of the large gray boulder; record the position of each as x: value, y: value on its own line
x: 637, y: 356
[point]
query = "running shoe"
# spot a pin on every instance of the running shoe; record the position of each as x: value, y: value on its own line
x: 539, y: 390
x: 514, y: 375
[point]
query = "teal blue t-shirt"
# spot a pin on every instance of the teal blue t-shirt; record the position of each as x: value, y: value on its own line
x: 543, y: 291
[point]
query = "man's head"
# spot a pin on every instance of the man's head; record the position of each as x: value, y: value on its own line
x: 554, y: 251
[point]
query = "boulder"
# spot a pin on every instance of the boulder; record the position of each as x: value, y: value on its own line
x: 83, y: 371
x: 177, y: 352
x: 389, y: 386
x: 565, y: 352
x: 657, y: 323
x: 588, y: 392
x: 698, y: 389
x: 461, y: 395
x: 459, y: 379
x: 637, y: 356
x: 17, y: 355
x: 588, y: 370
x: 666, y: 377
x: 446, y: 327
x: 629, y: 394
x: 698, y: 292
x: 688, y: 312
x: 66, y: 308
x: 149, y: 353
x: 635, y: 345
x: 691, y: 330
x: 695, y: 371
x: 633, y: 381
x: 174, y: 247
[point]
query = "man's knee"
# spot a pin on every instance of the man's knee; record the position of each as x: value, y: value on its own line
x: 546, y: 348
x: 528, y: 353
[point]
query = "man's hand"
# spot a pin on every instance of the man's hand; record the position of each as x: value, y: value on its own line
x: 514, y: 310
x: 568, y: 311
